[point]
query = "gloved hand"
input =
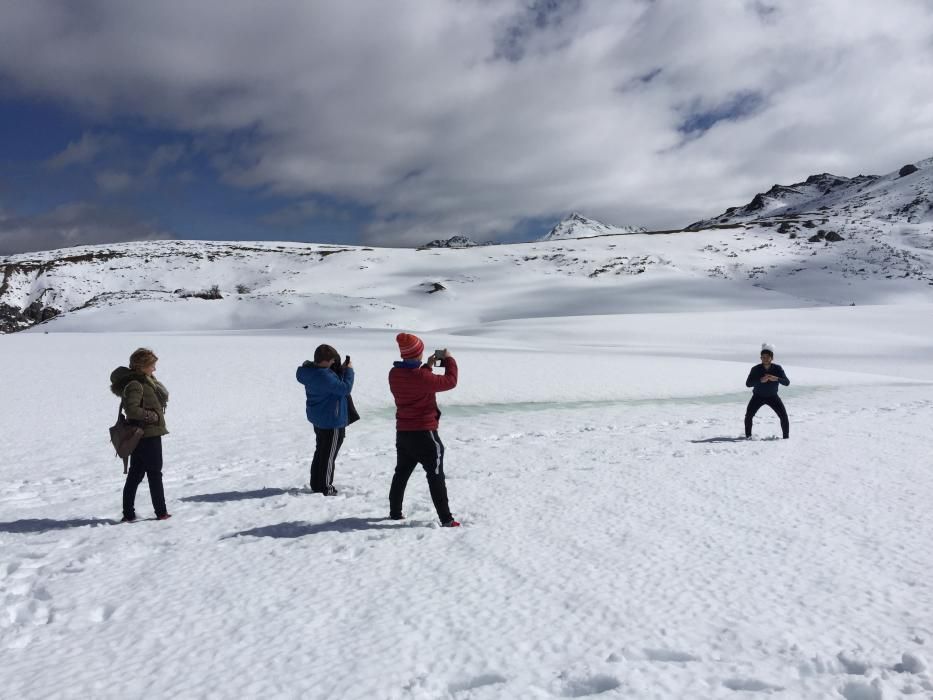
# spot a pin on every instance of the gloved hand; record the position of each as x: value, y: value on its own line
x: 150, y: 417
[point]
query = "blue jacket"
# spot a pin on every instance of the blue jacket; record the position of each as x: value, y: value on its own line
x: 764, y: 389
x: 326, y: 395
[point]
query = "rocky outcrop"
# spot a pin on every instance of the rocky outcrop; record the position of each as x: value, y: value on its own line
x: 452, y: 242
x: 14, y: 319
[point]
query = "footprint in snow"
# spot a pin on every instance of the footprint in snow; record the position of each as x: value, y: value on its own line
x: 669, y: 656
x: 750, y: 685
x: 101, y: 613
x: 859, y: 690
x: 585, y: 687
x: 480, y: 681
x: 30, y: 612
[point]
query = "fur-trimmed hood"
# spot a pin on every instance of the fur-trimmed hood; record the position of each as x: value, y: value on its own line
x: 122, y: 376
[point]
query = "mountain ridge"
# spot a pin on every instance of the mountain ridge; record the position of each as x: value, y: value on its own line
x: 826, y: 240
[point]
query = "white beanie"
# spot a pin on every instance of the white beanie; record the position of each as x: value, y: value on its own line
x: 767, y: 347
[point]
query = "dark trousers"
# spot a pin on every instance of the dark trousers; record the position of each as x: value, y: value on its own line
x: 327, y: 445
x: 146, y: 460
x: 423, y: 447
x: 775, y: 403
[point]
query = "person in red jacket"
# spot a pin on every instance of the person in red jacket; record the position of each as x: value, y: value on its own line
x: 414, y: 387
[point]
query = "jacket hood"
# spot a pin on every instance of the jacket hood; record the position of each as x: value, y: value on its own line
x: 122, y: 376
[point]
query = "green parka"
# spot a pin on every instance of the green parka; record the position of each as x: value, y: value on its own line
x: 144, y: 399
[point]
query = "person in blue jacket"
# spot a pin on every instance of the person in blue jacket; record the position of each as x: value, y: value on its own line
x: 326, y: 392
x: 764, y: 379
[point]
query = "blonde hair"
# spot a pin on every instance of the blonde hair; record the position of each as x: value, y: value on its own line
x: 142, y: 358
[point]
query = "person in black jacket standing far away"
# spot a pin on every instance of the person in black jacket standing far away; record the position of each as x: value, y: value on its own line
x: 764, y: 380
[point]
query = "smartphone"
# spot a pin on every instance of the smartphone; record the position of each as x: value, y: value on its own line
x: 346, y: 360
x: 439, y: 354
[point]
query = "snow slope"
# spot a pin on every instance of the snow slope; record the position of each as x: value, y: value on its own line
x: 148, y: 286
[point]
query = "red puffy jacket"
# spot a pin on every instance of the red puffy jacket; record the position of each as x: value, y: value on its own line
x: 415, y: 389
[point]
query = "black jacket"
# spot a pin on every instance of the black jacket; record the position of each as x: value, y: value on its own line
x: 764, y: 389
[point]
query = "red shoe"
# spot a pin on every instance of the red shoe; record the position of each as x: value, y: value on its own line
x: 450, y: 523
x: 163, y: 517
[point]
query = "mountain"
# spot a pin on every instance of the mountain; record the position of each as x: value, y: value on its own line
x: 578, y: 226
x: 452, y: 242
x: 828, y: 240
x: 904, y: 196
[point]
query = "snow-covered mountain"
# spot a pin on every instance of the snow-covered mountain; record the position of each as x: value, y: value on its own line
x: 828, y: 240
x: 452, y: 242
x: 901, y: 197
x: 578, y: 226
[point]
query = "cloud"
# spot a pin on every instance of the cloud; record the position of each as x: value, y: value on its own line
x: 113, y: 181
x: 467, y: 116
x: 83, y: 151
x: 164, y: 157
x: 302, y: 212
x: 71, y: 225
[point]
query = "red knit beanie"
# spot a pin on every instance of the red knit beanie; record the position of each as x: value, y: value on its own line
x: 410, y: 346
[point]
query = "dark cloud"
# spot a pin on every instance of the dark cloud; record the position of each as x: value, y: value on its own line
x: 399, y: 108
x: 71, y: 225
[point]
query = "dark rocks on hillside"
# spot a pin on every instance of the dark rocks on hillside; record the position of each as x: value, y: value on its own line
x: 212, y: 293
x: 452, y: 242
x: 826, y: 181
x: 436, y: 287
x: 907, y: 170
x: 13, y: 319
x: 758, y: 202
x: 784, y: 227
x: 821, y: 235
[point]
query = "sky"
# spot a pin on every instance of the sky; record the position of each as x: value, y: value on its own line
x: 395, y: 123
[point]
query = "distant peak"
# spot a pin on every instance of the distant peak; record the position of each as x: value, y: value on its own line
x: 452, y: 242
x: 576, y: 225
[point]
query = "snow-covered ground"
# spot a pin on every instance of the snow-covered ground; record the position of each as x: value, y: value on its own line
x: 618, y: 540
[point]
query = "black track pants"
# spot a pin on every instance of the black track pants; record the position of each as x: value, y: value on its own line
x: 422, y: 447
x: 146, y: 460
x: 775, y: 403
x: 327, y: 445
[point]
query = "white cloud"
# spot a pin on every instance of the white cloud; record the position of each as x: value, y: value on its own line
x: 73, y: 224
x: 467, y: 116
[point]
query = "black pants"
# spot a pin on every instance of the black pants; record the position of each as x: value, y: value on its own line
x: 146, y: 460
x: 775, y: 403
x: 327, y: 445
x: 423, y: 447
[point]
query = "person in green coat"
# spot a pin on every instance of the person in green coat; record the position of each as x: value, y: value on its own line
x: 143, y: 399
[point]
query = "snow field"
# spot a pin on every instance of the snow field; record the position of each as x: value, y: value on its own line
x: 618, y: 540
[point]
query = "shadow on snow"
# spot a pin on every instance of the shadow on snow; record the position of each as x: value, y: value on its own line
x: 47, y: 525
x: 300, y: 529
x: 726, y: 438
x: 238, y: 495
